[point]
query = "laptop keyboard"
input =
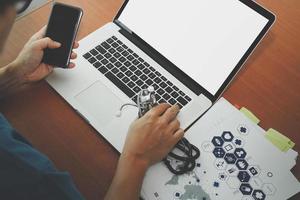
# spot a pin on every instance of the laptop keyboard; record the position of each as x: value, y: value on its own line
x: 131, y: 73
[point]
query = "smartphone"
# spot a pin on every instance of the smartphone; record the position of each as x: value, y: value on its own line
x: 62, y: 27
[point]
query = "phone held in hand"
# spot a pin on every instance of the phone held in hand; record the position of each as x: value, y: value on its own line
x: 62, y: 27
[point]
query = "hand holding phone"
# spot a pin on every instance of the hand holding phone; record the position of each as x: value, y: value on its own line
x: 62, y: 27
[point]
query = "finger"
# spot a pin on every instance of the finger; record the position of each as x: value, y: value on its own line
x: 47, y: 43
x: 40, y: 34
x: 73, y: 55
x: 178, y: 135
x: 171, y: 113
x: 72, y: 65
x: 173, y: 126
x: 159, y: 109
x: 76, y: 45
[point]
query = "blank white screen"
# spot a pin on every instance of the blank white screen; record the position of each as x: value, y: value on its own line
x: 204, y: 38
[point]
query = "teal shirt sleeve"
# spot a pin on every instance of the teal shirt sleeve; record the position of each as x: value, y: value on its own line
x: 25, y: 173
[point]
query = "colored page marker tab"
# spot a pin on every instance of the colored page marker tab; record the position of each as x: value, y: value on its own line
x: 250, y: 115
x: 279, y: 140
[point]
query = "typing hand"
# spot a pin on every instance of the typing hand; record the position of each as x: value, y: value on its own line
x: 153, y: 136
x: 28, y: 64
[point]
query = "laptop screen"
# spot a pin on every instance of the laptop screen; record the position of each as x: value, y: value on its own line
x: 205, y: 39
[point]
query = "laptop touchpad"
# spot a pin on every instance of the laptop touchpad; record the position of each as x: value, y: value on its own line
x: 99, y: 102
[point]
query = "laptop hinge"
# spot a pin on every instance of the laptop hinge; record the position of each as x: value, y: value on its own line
x: 123, y: 26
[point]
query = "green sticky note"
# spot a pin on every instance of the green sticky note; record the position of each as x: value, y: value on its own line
x: 279, y: 140
x: 250, y: 115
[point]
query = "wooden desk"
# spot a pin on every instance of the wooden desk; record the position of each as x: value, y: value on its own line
x: 268, y: 85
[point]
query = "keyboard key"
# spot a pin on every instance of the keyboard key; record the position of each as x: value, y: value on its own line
x: 157, y: 80
x: 166, y: 96
x: 115, y: 45
x: 169, y: 90
x: 181, y: 93
x: 125, y: 53
x: 182, y: 101
x: 113, y: 60
x: 164, y: 78
x: 87, y: 55
x: 146, y: 64
x: 135, y: 62
x: 97, y: 64
x: 149, y: 82
x: 152, y: 69
x: 117, y: 55
x: 145, y: 86
x: 122, y: 59
x: 112, y: 51
x: 99, y: 57
x: 146, y: 71
x: 124, y: 46
x: 134, y: 78
x: 128, y: 73
x: 110, y: 40
x: 129, y: 50
x: 107, y: 55
x: 114, y: 37
x: 120, y: 75
x: 115, y: 71
x: 141, y: 59
x: 135, y: 55
x: 169, y: 83
x: 103, y: 70
x: 105, y: 45
x: 175, y: 88
x: 127, y: 64
x: 92, y: 60
x: 141, y: 66
x: 132, y: 68
x: 188, y: 98
x: 109, y: 66
x: 104, y: 61
x: 152, y: 75
x: 163, y: 84
x: 118, y: 64
x: 138, y: 72
x: 94, y: 52
x: 157, y: 97
x: 157, y: 73
x: 172, y: 101
x: 123, y: 68
x: 101, y: 49
x: 160, y: 91
x: 130, y: 57
x: 125, y: 79
x: 155, y: 86
x: 139, y: 83
x: 131, y: 84
x: 120, y: 84
x: 136, y: 89
x: 175, y: 94
x: 144, y: 77
x: 119, y: 42
x: 120, y: 49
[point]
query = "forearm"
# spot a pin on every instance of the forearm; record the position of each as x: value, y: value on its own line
x: 9, y: 80
x: 128, y: 179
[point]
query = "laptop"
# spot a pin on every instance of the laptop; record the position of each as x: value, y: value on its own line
x: 189, y: 51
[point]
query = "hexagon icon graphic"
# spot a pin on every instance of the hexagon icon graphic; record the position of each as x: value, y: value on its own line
x: 258, y: 195
x: 238, y: 142
x: 246, y: 189
x: 243, y: 176
x: 219, y: 152
x: 269, y: 189
x: 227, y: 136
x: 242, y: 164
x: 230, y: 158
x: 220, y: 164
x: 254, y: 170
x: 217, y: 141
x: 240, y: 153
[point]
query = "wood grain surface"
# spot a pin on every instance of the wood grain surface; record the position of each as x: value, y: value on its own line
x: 268, y: 85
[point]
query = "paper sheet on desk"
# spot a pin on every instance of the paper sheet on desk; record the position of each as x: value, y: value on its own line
x: 263, y: 172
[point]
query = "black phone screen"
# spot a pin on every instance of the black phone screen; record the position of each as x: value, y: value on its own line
x: 62, y: 27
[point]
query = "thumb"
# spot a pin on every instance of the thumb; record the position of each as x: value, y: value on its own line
x: 47, y: 43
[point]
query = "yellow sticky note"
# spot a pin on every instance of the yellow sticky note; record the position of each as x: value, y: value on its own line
x: 250, y: 115
x: 279, y: 140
